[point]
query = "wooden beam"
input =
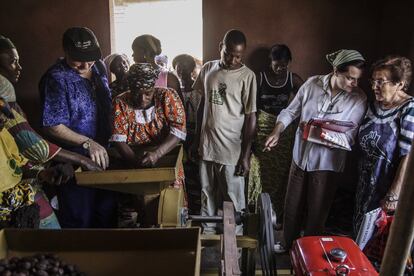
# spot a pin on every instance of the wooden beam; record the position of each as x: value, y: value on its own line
x: 402, y: 228
x: 229, y: 253
x: 242, y: 241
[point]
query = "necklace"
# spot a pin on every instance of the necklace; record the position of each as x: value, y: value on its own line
x: 277, y: 85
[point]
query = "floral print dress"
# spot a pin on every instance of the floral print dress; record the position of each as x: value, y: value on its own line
x: 152, y: 125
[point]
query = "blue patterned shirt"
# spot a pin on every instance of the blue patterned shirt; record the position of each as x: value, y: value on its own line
x: 80, y: 104
x: 385, y: 137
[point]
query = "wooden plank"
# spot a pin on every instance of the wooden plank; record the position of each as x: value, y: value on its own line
x: 136, y: 176
x: 231, y: 264
x: 136, y: 181
x: 242, y: 241
x: 401, y: 234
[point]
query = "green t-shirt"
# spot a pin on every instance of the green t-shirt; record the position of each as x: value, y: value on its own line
x: 228, y: 96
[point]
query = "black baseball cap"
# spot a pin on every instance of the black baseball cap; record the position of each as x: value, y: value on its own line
x: 81, y: 44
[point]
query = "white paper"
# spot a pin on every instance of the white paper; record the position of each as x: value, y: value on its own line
x: 367, y: 228
x: 331, y: 138
x: 337, y: 138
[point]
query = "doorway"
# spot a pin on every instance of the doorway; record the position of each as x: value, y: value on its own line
x: 176, y: 23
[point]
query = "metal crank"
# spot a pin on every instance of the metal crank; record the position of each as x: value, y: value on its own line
x: 185, y: 217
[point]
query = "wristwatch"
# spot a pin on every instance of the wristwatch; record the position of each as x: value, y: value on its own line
x: 87, y: 144
x: 391, y: 197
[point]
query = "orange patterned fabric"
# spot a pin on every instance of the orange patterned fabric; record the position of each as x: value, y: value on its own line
x: 150, y: 126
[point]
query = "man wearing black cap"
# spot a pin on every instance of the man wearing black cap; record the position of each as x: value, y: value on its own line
x: 76, y: 105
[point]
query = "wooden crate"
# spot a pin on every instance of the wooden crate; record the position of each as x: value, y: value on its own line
x: 113, y: 251
x: 136, y: 181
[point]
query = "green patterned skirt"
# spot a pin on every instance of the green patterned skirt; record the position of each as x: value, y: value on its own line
x: 270, y: 170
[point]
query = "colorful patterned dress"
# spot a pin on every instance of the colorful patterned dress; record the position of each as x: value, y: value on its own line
x: 31, y: 145
x: 34, y: 148
x: 385, y: 137
x: 152, y: 125
x: 14, y: 192
x: 38, y: 151
x: 147, y: 127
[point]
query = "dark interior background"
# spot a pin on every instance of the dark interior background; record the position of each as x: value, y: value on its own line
x: 310, y: 28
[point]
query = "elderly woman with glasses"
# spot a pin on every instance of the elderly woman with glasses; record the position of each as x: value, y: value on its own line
x: 385, y: 138
x: 315, y: 167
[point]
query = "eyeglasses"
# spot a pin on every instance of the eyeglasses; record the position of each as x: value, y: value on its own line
x: 379, y: 82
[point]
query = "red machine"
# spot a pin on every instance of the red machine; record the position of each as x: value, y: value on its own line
x: 329, y: 255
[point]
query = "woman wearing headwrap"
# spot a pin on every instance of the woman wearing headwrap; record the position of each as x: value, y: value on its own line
x: 117, y: 64
x: 146, y: 48
x: 312, y: 186
x: 147, y: 116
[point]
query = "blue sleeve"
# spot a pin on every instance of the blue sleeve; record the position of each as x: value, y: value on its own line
x: 55, y: 103
x: 407, y: 129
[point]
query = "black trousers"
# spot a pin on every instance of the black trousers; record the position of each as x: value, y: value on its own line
x: 309, y: 197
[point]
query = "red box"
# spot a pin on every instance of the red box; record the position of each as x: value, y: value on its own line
x: 315, y: 256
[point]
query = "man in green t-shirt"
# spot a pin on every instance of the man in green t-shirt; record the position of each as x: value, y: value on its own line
x: 226, y: 124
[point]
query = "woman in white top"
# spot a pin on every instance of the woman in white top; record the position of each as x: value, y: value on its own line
x: 315, y: 167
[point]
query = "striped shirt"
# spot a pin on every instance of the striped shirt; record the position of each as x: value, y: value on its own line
x: 389, y: 132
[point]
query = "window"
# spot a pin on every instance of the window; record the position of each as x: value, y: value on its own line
x: 176, y: 23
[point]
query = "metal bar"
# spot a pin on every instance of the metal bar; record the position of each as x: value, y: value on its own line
x: 205, y: 218
x: 402, y: 227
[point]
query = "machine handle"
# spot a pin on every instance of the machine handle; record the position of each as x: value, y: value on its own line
x: 342, y: 270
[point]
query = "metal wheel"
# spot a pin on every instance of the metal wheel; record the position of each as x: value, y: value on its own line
x: 266, y: 235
